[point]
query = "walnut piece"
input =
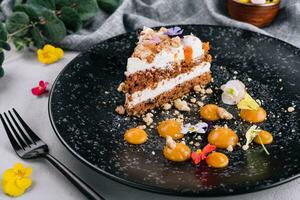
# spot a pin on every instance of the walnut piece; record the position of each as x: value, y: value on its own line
x: 193, y: 100
x: 224, y: 114
x: 141, y: 127
x: 197, y: 88
x: 120, y: 110
x: 170, y: 142
x: 181, y: 105
x: 208, y: 91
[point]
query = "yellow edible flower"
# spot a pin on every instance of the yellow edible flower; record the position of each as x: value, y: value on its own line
x: 49, y: 54
x: 16, y: 180
x: 248, y: 103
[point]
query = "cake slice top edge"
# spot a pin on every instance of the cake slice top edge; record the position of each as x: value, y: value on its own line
x: 162, y: 48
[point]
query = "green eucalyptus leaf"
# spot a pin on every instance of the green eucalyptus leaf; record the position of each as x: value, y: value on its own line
x: 109, y: 5
x: 29, y: 10
x: 3, y: 32
x: 4, y: 45
x: 17, y: 21
x: 37, y: 37
x: 50, y: 4
x: 21, y: 43
x: 70, y: 18
x: 52, y: 27
x: 1, y: 62
x: 62, y: 3
x: 85, y: 8
x: 1, y: 71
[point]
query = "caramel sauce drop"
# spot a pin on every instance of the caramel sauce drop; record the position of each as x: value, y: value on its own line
x: 171, y: 128
x: 209, y: 112
x: 265, y: 137
x: 253, y: 116
x: 179, y: 154
x: 217, y: 160
x: 135, y: 136
x: 222, y: 137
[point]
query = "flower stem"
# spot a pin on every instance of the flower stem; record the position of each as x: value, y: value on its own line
x: 18, y: 31
x: 263, y: 146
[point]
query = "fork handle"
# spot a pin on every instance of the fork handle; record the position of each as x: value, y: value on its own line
x: 80, y: 184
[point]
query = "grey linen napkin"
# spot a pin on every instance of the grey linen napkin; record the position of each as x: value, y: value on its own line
x: 133, y: 14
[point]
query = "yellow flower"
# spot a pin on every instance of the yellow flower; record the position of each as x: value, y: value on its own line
x: 49, y: 54
x: 248, y: 103
x: 16, y: 180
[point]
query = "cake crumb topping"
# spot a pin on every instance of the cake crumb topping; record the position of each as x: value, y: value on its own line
x: 291, y: 109
x: 170, y: 142
x: 167, y: 106
x: 148, y: 119
x: 208, y: 91
x: 141, y: 127
x: 120, y: 110
x: 193, y: 100
x: 200, y: 103
x: 121, y: 86
x: 197, y: 88
x: 224, y: 114
x: 181, y: 105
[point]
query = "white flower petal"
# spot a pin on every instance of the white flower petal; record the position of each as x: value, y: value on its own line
x: 233, y: 92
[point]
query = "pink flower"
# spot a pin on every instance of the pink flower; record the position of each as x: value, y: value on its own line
x: 201, y: 155
x: 41, y: 89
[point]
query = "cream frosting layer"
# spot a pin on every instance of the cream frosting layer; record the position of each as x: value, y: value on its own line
x: 166, y: 58
x: 166, y: 85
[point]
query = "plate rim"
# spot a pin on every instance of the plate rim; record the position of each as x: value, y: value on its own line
x: 142, y: 186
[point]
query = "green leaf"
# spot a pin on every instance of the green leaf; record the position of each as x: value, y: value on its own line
x: 29, y: 10
x: 37, y: 37
x: 62, y: 3
x: 50, y: 4
x: 1, y: 71
x: 85, y: 8
x: 109, y: 5
x: 16, y: 22
x: 21, y: 43
x: 52, y: 27
x: 3, y: 32
x: 4, y: 45
x: 1, y: 62
x: 70, y: 18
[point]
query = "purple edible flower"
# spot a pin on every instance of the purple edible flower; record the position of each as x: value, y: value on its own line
x: 174, y: 31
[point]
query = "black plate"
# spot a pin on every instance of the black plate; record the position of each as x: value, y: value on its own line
x: 84, y: 96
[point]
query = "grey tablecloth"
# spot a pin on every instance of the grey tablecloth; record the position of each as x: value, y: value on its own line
x: 134, y: 14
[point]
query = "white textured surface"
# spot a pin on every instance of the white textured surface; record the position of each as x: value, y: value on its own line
x: 22, y: 73
x: 166, y: 85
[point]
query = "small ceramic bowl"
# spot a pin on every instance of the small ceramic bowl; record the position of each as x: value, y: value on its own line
x: 259, y: 15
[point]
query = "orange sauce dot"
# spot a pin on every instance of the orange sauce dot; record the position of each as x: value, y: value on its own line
x: 265, y: 136
x: 171, y: 128
x: 223, y: 137
x: 209, y: 112
x: 135, y: 136
x: 188, y: 54
x: 254, y: 116
x: 217, y: 160
x: 181, y: 153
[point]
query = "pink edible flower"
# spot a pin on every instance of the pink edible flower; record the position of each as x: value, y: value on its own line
x: 40, y: 89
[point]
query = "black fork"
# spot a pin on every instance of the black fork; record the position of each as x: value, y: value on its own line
x: 28, y: 145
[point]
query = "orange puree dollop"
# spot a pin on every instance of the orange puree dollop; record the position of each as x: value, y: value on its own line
x: 209, y: 112
x: 171, y: 128
x: 222, y: 137
x: 179, y: 154
x: 254, y: 116
x: 265, y: 136
x: 217, y: 160
x: 135, y: 136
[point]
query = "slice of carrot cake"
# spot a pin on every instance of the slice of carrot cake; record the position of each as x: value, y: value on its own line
x: 164, y: 66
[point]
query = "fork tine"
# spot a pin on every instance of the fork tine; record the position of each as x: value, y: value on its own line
x: 31, y: 134
x: 25, y: 137
x: 18, y: 137
x: 13, y: 141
